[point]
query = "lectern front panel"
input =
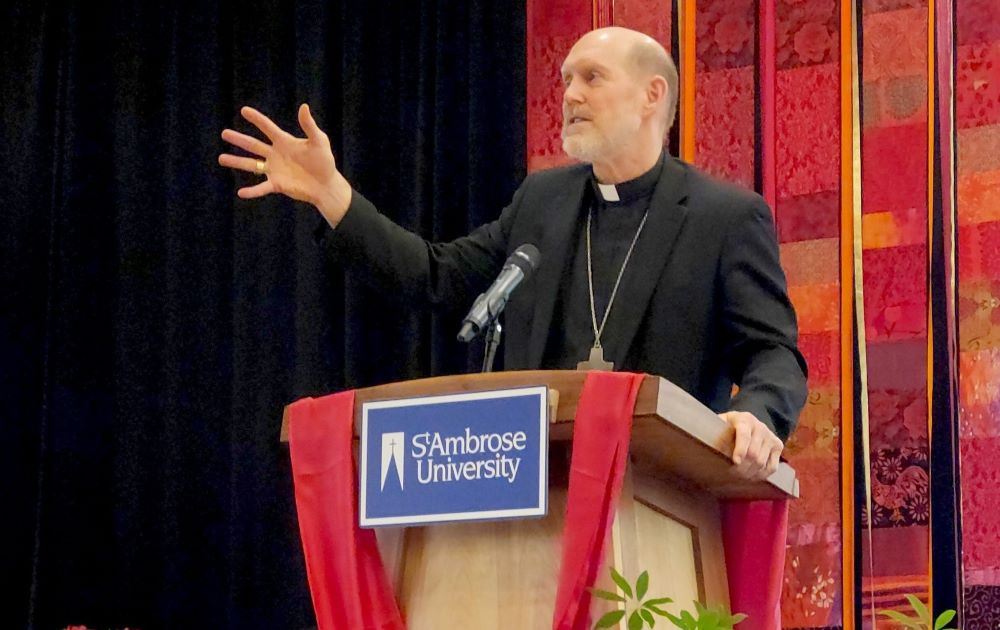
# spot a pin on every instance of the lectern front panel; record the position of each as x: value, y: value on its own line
x: 483, y: 575
x: 666, y: 549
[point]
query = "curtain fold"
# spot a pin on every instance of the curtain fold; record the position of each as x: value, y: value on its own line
x: 152, y: 325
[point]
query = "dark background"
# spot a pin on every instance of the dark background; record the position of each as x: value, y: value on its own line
x: 153, y: 325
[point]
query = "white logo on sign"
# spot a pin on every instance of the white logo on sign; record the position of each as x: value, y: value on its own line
x: 392, y: 452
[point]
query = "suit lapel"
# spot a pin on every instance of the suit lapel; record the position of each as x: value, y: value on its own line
x: 558, y: 223
x: 666, y: 217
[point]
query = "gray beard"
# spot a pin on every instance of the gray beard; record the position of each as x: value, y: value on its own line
x: 582, y: 150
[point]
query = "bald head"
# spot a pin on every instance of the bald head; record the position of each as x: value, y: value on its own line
x: 619, y: 99
x: 643, y: 56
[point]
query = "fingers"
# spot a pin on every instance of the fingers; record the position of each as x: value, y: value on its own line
x: 308, y: 123
x: 742, y: 442
x: 239, y: 162
x: 757, y: 454
x: 262, y: 122
x: 252, y: 192
x: 250, y: 165
x: 756, y: 450
x: 247, y: 143
x: 773, y: 461
x: 759, y: 448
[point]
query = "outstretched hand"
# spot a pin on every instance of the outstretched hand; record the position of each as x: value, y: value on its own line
x: 301, y: 168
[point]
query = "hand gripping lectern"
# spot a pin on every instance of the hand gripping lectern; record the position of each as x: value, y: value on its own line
x: 504, y: 574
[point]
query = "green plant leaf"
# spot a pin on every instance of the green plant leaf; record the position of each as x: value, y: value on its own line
x: 657, y: 601
x: 728, y: 621
x: 709, y: 619
x: 635, y: 621
x: 943, y: 619
x: 642, y: 585
x: 656, y: 609
x: 608, y: 595
x: 699, y: 608
x: 899, y: 617
x: 920, y: 608
x: 648, y: 616
x: 610, y: 619
x: 677, y: 621
x: 621, y: 582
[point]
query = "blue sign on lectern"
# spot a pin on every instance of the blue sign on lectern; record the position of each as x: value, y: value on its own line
x: 461, y: 457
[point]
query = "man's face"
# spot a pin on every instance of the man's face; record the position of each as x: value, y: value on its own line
x: 602, y: 101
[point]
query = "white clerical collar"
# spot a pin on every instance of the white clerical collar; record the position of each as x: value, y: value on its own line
x: 608, y: 192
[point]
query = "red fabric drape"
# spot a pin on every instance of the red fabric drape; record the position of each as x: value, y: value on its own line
x: 346, y: 578
x: 601, y: 436
x: 753, y: 533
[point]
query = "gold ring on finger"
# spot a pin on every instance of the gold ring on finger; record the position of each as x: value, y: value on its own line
x: 261, y: 167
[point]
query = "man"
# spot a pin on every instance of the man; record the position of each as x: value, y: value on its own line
x: 647, y: 262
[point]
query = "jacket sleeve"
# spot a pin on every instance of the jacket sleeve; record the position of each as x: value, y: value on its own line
x: 761, y: 334
x: 390, y: 258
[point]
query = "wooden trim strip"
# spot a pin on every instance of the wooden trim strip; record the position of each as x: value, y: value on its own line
x: 847, y: 156
x: 859, y: 276
x: 688, y: 54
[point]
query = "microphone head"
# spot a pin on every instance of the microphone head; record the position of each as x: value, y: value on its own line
x: 527, y: 258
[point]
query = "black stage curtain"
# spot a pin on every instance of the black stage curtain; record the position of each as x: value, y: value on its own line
x: 153, y: 325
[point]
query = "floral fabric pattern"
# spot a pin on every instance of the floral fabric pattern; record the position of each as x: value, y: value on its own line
x: 977, y: 119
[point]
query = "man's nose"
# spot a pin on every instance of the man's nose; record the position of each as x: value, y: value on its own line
x: 572, y: 93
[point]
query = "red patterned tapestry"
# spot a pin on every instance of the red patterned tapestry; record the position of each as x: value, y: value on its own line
x: 977, y: 122
x: 894, y: 151
x: 773, y: 89
x: 807, y: 172
x: 724, y: 88
x: 808, y: 219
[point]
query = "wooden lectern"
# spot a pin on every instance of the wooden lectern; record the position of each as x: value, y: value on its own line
x: 504, y: 574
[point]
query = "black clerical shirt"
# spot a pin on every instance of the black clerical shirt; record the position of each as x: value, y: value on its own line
x: 614, y: 224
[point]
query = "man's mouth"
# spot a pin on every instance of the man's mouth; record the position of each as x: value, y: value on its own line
x: 577, y: 119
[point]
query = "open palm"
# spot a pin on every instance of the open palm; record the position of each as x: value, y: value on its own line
x: 301, y: 168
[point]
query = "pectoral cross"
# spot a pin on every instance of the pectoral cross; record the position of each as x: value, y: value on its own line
x: 596, y: 361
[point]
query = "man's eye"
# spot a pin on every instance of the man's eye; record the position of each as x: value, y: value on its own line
x: 594, y: 76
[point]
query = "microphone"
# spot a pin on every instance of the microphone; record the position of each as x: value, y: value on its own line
x: 520, y: 265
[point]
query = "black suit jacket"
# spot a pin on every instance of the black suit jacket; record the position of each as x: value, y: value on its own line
x: 703, y: 302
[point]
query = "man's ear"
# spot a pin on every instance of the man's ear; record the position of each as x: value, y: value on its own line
x: 656, y: 94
